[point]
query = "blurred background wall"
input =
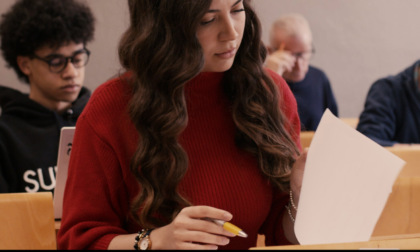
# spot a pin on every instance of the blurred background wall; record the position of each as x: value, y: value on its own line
x: 356, y: 41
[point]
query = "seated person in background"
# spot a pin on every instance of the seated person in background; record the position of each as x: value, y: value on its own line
x: 44, y: 41
x: 290, y: 50
x: 391, y: 114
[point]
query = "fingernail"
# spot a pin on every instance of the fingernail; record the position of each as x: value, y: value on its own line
x: 227, y: 233
x: 227, y: 216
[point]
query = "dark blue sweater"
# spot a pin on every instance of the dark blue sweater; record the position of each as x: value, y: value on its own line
x: 392, y: 110
x: 313, y: 95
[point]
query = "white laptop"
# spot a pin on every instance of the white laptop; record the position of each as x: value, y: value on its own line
x: 64, y: 149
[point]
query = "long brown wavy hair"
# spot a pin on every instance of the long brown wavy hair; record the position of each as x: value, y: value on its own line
x: 161, y: 50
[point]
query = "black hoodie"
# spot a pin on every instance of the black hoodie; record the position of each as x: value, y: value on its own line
x: 29, y: 136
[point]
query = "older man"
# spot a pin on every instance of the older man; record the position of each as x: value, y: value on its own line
x: 291, y: 49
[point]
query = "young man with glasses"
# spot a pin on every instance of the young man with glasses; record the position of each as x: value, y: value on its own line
x: 44, y: 42
x: 290, y: 50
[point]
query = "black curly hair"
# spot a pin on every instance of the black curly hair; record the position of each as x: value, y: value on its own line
x: 32, y: 24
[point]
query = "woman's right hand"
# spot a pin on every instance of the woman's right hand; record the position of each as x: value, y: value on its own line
x: 189, y: 231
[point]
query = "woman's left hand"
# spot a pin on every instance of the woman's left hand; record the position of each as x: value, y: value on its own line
x: 296, y: 177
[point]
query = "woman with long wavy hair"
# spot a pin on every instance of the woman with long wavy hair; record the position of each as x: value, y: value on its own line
x: 196, y: 130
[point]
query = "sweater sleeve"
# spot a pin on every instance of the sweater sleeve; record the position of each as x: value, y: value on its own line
x: 378, y: 120
x: 273, y: 227
x: 95, y: 198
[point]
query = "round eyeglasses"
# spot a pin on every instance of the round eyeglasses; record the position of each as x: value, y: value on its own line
x: 306, y: 55
x: 57, y: 63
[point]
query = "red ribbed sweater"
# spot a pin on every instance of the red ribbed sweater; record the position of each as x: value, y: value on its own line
x: 100, y: 186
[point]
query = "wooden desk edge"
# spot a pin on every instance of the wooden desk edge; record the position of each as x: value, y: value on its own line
x: 407, y: 241
x: 57, y: 225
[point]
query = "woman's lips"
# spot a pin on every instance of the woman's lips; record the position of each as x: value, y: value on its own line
x: 227, y: 55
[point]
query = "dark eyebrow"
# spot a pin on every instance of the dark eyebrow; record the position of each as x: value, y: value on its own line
x: 212, y: 11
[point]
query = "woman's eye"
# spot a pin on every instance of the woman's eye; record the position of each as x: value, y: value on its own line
x: 207, y: 22
x: 239, y: 10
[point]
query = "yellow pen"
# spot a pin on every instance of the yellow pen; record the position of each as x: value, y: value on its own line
x: 229, y: 227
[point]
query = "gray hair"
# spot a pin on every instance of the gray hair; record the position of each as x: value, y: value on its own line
x: 292, y: 24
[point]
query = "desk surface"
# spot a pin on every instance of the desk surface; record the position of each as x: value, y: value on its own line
x: 406, y: 241
x: 410, y: 241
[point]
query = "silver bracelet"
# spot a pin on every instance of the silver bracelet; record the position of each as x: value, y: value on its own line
x: 291, y: 200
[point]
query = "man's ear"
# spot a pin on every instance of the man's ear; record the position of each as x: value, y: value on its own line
x: 24, y: 64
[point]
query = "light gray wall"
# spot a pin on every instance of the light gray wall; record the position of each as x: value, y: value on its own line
x: 357, y: 41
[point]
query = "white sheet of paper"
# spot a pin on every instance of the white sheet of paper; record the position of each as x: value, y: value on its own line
x: 346, y: 184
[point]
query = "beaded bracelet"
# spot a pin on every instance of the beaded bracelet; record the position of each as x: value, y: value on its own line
x: 137, y: 239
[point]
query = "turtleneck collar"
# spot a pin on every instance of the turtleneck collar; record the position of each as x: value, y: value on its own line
x: 205, y: 82
x: 204, y: 92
